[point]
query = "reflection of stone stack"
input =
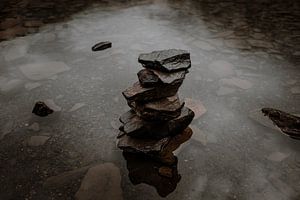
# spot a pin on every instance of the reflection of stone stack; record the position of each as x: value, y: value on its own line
x: 157, y: 116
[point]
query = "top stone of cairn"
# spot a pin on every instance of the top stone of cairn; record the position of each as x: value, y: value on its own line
x: 166, y: 60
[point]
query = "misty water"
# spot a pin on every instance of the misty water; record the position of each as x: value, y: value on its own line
x: 239, y: 65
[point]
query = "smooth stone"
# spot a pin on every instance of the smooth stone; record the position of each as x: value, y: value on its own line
x: 196, y: 106
x: 41, y: 109
x: 134, y: 126
x: 31, y: 86
x: 287, y: 123
x: 295, y: 90
x: 257, y: 116
x: 147, y: 78
x: 102, y: 181
x: 161, y: 110
x: 102, y: 46
x: 237, y: 82
x: 225, y: 91
x: 76, y: 107
x: 166, y: 60
x: 41, y: 71
x: 34, y: 127
x: 37, y: 140
x: 65, y: 178
x: 139, y: 93
x: 141, y: 169
x: 277, y: 156
x: 222, y: 68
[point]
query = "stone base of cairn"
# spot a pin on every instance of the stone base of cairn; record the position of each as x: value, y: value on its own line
x: 158, y: 121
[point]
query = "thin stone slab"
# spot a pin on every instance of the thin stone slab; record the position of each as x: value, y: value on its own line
x: 154, y: 78
x: 138, y: 93
x: 288, y: 124
x: 135, y: 126
x: 166, y: 60
x: 102, y: 46
x: 160, y: 150
x: 161, y: 110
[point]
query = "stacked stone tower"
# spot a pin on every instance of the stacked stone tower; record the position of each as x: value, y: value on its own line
x: 157, y: 117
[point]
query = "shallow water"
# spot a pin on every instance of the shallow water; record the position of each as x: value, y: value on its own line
x: 241, y: 62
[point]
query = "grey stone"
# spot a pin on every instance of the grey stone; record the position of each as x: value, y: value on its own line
x: 147, y: 78
x: 101, y: 182
x: 37, y: 140
x: 166, y: 60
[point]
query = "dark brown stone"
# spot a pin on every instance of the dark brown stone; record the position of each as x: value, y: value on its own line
x: 166, y: 60
x: 160, y: 110
x: 101, y: 46
x: 134, y: 126
x: 288, y: 124
x: 139, y: 93
x: 147, y: 78
x: 160, y: 150
x: 41, y: 109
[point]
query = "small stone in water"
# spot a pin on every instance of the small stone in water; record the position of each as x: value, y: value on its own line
x: 41, y: 109
x: 101, y: 46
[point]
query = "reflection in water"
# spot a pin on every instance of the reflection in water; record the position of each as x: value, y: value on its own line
x: 157, y: 171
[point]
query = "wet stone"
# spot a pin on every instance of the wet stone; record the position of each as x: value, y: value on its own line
x: 161, y: 110
x: 166, y: 60
x: 288, y: 124
x: 41, y: 109
x: 161, y: 150
x: 139, y: 93
x: 102, y: 46
x: 134, y: 126
x: 147, y: 78
x: 166, y: 171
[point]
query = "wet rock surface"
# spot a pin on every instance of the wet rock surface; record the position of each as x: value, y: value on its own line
x: 166, y: 60
x: 102, y: 46
x: 41, y: 109
x: 148, y: 78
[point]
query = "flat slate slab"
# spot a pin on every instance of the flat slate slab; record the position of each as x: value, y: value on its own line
x: 161, y: 150
x: 135, y: 126
x: 161, y: 110
x: 139, y: 93
x: 154, y: 78
x: 166, y: 60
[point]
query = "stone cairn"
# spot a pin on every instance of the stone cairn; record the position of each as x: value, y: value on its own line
x: 158, y: 121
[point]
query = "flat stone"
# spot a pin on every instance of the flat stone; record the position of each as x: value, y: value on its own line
x: 295, y: 90
x: 65, y: 178
x: 31, y: 86
x: 287, y: 123
x: 134, y: 126
x: 161, y: 110
x: 166, y: 60
x: 161, y: 150
x: 102, y: 46
x: 277, y: 156
x: 225, y: 91
x: 41, y: 71
x: 37, y: 140
x: 139, y: 93
x: 41, y: 109
x: 147, y: 78
x: 77, y: 106
x: 237, y: 82
x: 196, y: 106
x: 101, y: 182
